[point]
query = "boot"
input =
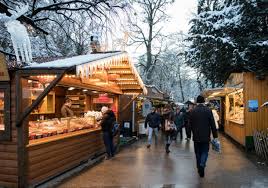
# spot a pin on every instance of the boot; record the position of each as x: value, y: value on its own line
x: 167, y: 148
x: 201, y: 171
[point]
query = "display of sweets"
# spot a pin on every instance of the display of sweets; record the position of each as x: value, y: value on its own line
x: 96, y: 114
x: 46, y: 128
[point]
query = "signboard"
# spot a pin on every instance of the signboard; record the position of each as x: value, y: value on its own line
x: 146, y: 108
x: 253, y: 105
x: 3, y: 69
x: 127, y: 125
x: 103, y: 99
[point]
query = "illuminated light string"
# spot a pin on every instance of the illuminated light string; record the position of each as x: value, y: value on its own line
x: 127, y: 93
x: 125, y: 79
x: 54, y: 76
x: 128, y: 83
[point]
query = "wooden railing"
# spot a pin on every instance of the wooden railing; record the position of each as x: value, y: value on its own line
x: 261, y: 143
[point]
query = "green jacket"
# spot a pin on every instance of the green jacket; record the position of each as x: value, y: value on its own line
x: 179, y: 120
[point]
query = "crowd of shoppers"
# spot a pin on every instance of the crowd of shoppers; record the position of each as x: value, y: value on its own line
x: 199, y: 121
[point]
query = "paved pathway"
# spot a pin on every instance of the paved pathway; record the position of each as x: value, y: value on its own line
x: 137, y: 166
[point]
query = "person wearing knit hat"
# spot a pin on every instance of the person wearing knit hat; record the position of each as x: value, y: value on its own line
x: 202, y: 124
x: 104, y: 109
x: 108, y: 119
x: 200, y: 99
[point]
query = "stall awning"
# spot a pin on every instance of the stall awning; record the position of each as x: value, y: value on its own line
x: 153, y: 93
x: 114, y: 69
x: 219, y: 92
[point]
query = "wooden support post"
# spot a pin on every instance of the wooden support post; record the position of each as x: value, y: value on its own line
x: 125, y: 107
x: 40, y: 98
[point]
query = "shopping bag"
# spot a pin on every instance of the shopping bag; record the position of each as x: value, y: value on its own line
x: 115, y: 129
x: 216, y: 145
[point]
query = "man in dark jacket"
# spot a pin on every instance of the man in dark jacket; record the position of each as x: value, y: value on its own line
x: 108, y: 119
x: 179, y: 122
x: 202, y: 123
x: 154, y: 120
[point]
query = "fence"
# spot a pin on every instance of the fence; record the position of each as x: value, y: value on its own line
x: 261, y: 143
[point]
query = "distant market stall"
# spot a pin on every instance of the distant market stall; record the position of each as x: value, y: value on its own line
x: 154, y: 98
x: 241, y: 106
x: 36, y: 141
x: 134, y: 109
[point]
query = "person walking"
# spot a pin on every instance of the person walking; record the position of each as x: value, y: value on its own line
x: 168, y: 125
x: 154, y: 120
x: 179, y: 122
x: 216, y: 116
x: 201, y: 122
x: 108, y: 119
x: 170, y: 130
x: 186, y: 121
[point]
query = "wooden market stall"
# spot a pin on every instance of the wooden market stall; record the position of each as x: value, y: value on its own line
x: 36, y: 142
x: 131, y: 108
x: 242, y: 97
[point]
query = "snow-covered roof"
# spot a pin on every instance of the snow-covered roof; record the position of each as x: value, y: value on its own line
x: 218, y: 92
x: 87, y: 65
x: 153, y: 86
x: 74, y: 61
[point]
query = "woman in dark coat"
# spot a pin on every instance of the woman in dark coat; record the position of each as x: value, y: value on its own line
x: 107, y: 122
x: 169, y: 124
x: 186, y: 121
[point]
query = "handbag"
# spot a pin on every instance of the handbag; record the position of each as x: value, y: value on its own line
x: 170, y: 126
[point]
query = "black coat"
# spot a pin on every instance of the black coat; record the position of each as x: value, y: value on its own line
x: 107, y: 121
x: 202, y: 123
x: 186, y: 118
x: 153, y: 119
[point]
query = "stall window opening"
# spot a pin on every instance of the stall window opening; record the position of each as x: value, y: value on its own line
x: 32, y: 87
x: 5, y: 129
x: 2, y: 110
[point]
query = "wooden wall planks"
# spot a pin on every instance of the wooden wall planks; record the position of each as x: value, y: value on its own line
x: 236, y: 131
x: 255, y: 89
x: 49, y: 159
x: 8, y: 149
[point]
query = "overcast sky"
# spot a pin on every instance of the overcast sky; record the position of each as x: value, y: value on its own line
x: 181, y: 12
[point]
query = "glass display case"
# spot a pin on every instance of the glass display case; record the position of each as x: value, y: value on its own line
x: 52, y: 127
x: 235, y: 108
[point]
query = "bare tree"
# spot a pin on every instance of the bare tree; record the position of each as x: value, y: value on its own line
x: 68, y: 23
x: 42, y: 10
x: 146, y: 30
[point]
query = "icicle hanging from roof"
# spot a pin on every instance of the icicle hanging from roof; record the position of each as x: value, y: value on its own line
x: 19, y: 35
x: 88, y: 69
